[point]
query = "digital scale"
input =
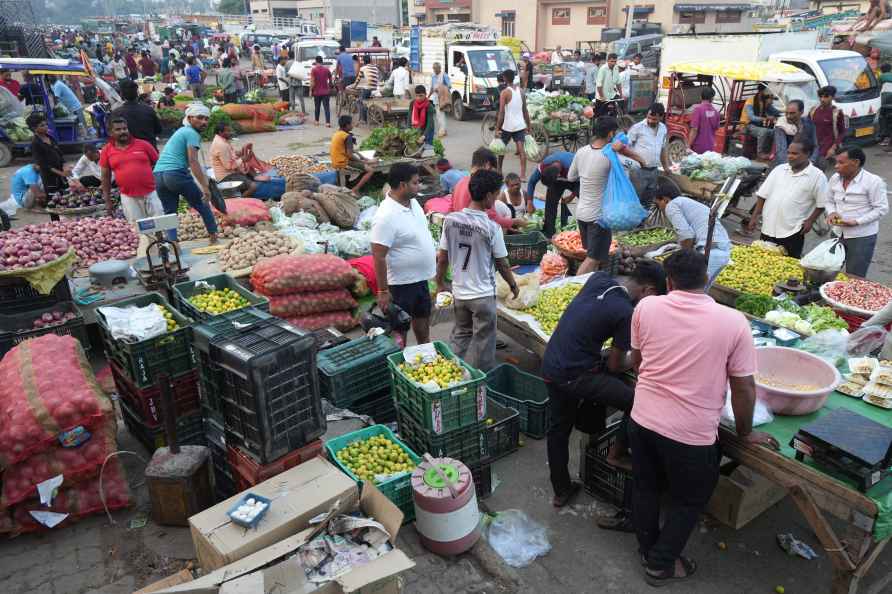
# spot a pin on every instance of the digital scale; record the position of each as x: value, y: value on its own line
x: 165, y: 273
x: 859, y: 448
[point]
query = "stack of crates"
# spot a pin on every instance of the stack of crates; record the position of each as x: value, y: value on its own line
x: 136, y: 367
x: 21, y: 304
x: 354, y: 375
x: 449, y: 423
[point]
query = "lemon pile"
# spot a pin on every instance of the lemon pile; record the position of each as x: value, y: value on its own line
x: 218, y: 301
x: 445, y: 372
x: 376, y: 455
x: 168, y: 317
x: 551, y: 305
x: 757, y: 270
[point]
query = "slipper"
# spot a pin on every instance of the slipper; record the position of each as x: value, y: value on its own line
x: 619, y: 522
x: 562, y: 500
x: 668, y: 576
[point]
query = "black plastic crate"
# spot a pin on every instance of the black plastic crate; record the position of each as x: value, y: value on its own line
x: 501, y: 429
x: 224, y: 483
x: 190, y: 430
x: 210, y: 385
x: 270, y: 390
x: 224, y: 326
x: 467, y: 444
x: 482, y: 474
x: 17, y: 327
x: 379, y: 406
x: 600, y: 478
x: 17, y: 295
x: 328, y: 338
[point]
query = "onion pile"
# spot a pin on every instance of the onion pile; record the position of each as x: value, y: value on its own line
x: 94, y: 240
x: 54, y: 318
x: 26, y: 250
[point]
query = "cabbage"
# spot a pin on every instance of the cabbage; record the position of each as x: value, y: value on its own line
x: 497, y: 146
x: 803, y: 327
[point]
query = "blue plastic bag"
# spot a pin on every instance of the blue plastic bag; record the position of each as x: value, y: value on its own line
x: 621, y: 209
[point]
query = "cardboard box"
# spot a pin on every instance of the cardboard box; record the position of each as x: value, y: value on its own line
x: 181, y: 577
x: 297, y: 495
x: 268, y: 571
x: 742, y: 496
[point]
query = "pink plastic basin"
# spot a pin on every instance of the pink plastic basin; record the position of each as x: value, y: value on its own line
x: 792, y: 366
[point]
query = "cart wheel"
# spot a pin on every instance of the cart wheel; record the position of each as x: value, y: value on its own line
x: 5, y: 155
x: 676, y: 150
x: 488, y: 128
x: 541, y: 136
x: 376, y: 116
x: 570, y: 143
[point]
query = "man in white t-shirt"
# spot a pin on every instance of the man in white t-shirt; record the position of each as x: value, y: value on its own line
x: 556, y: 56
x: 401, y: 79
x: 405, y: 258
x: 474, y: 246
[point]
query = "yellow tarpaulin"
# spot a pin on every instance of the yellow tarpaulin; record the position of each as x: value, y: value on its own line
x: 44, y: 278
x: 739, y: 70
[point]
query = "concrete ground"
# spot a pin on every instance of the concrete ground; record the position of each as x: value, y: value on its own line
x: 94, y: 556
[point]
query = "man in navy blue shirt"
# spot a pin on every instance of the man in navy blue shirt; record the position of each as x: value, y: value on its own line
x: 575, y: 372
x: 552, y: 172
x: 346, y: 69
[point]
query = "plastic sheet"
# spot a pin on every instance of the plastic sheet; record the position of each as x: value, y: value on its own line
x: 517, y: 538
x: 865, y: 341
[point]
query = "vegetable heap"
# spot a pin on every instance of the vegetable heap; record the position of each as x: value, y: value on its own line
x: 49, y: 319
x: 17, y: 130
x: 168, y: 317
x: 755, y: 305
x: 442, y: 371
x: 863, y: 294
x: 756, y: 270
x: 646, y: 237
x: 711, y: 166
x: 373, y: 457
x: 551, y: 305
x: 390, y: 141
x: 806, y: 320
x: 559, y: 114
x: 218, y: 301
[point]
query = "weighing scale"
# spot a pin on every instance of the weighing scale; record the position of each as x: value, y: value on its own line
x: 166, y: 273
x: 859, y: 448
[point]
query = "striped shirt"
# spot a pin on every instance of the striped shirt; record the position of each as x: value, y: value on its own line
x: 368, y: 77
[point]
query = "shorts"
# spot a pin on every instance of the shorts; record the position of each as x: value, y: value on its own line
x: 142, y: 207
x: 596, y: 240
x: 518, y: 136
x: 414, y: 298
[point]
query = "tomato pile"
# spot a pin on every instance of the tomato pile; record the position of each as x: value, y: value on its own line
x: 863, y: 294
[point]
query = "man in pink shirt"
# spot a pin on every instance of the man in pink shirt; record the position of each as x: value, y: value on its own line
x: 687, y: 349
x: 705, y: 120
x: 483, y: 158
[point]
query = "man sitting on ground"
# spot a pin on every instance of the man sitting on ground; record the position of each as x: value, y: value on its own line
x: 230, y: 165
x: 344, y: 158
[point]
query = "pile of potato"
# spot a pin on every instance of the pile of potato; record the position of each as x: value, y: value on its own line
x: 249, y: 247
x: 191, y: 227
x: 289, y: 165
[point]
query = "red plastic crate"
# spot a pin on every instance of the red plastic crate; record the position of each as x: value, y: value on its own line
x: 248, y: 473
x: 146, y: 402
x: 855, y: 321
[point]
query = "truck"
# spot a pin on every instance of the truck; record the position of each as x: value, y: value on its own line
x: 858, y: 92
x: 306, y: 50
x: 472, y: 58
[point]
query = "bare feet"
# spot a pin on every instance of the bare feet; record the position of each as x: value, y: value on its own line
x: 619, y: 458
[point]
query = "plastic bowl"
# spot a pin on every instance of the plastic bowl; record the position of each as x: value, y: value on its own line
x: 795, y: 367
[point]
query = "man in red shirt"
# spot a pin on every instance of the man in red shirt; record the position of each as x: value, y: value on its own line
x: 7, y: 81
x: 483, y: 158
x: 830, y: 123
x: 131, y: 160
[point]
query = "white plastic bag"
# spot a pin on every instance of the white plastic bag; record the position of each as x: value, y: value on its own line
x: 528, y: 295
x: 517, y: 538
x: 761, y: 413
x: 827, y: 255
x: 497, y: 146
x: 829, y: 345
x: 134, y: 324
x: 531, y: 147
x: 365, y: 218
x: 10, y: 206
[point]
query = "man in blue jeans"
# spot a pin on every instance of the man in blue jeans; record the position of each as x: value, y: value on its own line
x: 178, y: 158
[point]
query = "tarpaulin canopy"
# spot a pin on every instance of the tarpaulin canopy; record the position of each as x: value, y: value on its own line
x: 743, y: 70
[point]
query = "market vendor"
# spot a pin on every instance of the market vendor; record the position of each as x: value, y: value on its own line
x: 449, y: 176
x: 130, y: 161
x: 690, y: 219
x: 231, y: 165
x: 48, y: 155
x: 9, y: 83
x: 66, y: 97
x: 552, y: 172
x: 26, y: 187
x: 86, y: 171
x: 758, y: 118
x: 575, y: 370
x: 423, y: 114
x: 648, y: 139
x: 343, y: 155
x: 142, y: 120
x: 483, y: 158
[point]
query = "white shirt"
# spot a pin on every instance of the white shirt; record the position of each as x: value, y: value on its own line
x: 864, y: 201
x: 513, y: 120
x: 400, y: 77
x: 648, y: 142
x: 502, y: 209
x: 120, y: 69
x: 282, y: 77
x: 411, y: 256
x: 592, y: 169
x: 790, y: 198
x: 474, y: 242
x: 84, y: 167
x: 625, y: 81
x: 556, y: 57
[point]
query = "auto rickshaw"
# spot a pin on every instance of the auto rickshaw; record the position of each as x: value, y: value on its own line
x: 65, y: 129
x: 734, y: 82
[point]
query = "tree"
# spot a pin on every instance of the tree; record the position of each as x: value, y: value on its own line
x: 232, y: 6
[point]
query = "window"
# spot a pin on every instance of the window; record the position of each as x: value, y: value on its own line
x: 597, y: 15
x: 691, y: 18
x: 560, y: 16
x: 508, y: 23
x: 728, y: 16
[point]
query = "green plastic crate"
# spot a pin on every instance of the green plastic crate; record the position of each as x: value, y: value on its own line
x: 398, y: 489
x: 526, y: 248
x: 183, y: 291
x: 355, y: 370
x: 454, y: 408
x: 468, y: 444
x: 143, y: 361
x: 526, y: 393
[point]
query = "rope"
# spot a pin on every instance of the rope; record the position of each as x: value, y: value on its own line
x: 102, y: 470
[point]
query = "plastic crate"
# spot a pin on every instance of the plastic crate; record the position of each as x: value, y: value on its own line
x: 224, y: 483
x: 183, y: 291
x: 210, y: 385
x: 224, y: 325
x: 398, y: 489
x: 190, y: 430
x: 248, y: 473
x: 523, y: 392
x: 379, y: 406
x: 467, y: 445
x: 270, y: 390
x: 16, y: 327
x: 482, y: 474
x: 328, y: 338
x: 352, y: 371
x: 143, y: 361
x: 147, y: 403
x: 526, y: 248
x: 457, y: 407
x: 18, y: 296
x: 600, y: 478
x: 503, y: 434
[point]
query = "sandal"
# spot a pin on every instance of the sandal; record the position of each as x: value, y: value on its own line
x: 620, y: 522
x: 564, y: 499
x: 667, y: 576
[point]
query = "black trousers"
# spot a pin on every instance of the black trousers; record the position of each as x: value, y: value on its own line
x: 90, y: 181
x: 552, y: 200
x: 793, y: 244
x: 563, y: 404
x: 322, y: 101
x: 689, y: 474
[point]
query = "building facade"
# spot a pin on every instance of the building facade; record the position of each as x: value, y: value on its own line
x: 432, y: 12
x: 325, y: 12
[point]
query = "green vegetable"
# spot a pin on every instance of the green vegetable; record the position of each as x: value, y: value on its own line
x: 823, y: 318
x: 646, y: 237
x: 218, y: 116
x: 755, y: 305
x: 390, y: 141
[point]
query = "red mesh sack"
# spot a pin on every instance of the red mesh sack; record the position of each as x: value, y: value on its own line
x: 311, y: 302
x: 342, y: 320
x: 77, y: 464
x: 46, y: 387
x: 281, y: 275
x: 245, y: 211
